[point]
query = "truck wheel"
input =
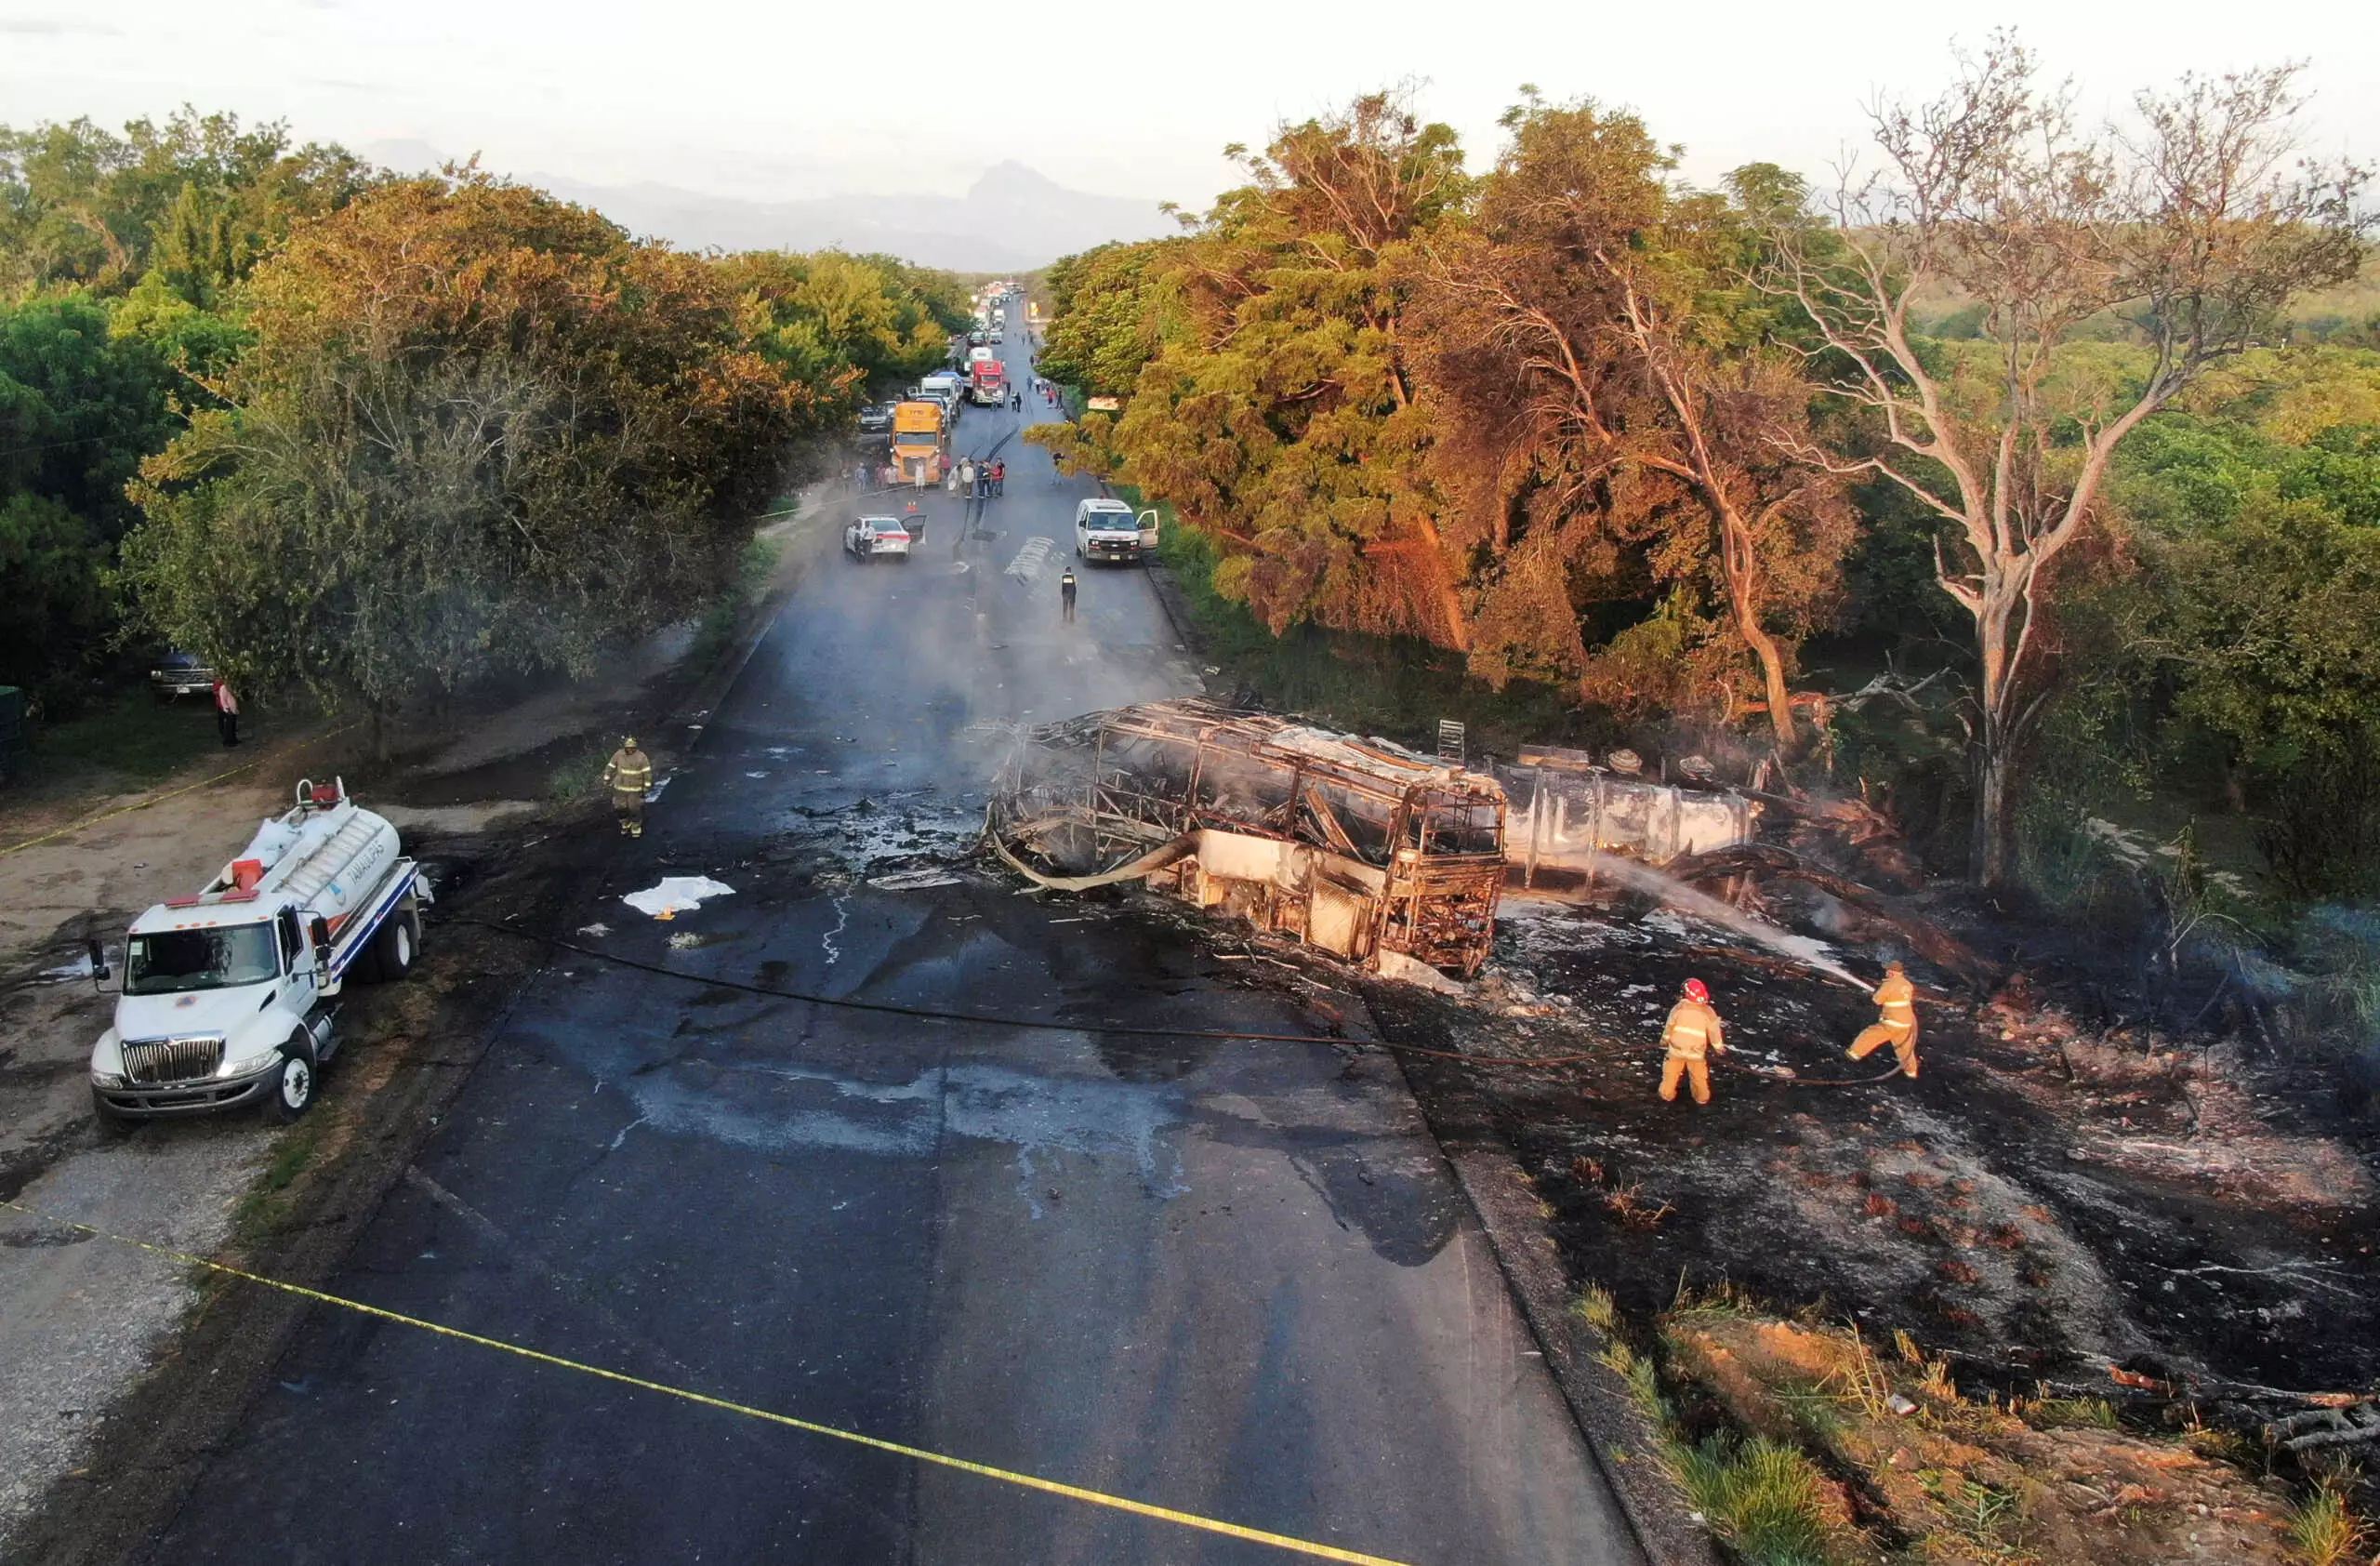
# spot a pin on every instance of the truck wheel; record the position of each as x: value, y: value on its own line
x: 394, y: 947
x: 293, y: 1085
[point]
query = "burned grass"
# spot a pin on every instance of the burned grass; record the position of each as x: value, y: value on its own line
x: 2118, y: 1227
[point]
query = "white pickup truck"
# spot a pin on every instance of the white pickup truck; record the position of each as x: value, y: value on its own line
x: 877, y: 538
x: 225, y: 1000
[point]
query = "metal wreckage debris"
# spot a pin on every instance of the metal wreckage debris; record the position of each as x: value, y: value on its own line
x: 1361, y: 848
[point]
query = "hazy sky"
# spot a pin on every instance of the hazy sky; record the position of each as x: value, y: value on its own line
x: 792, y: 100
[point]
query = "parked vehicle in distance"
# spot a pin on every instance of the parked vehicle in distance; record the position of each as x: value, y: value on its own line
x: 988, y: 382
x: 876, y: 418
x: 876, y: 537
x: 1107, y: 529
x: 179, y: 673
x: 947, y: 388
x: 226, y: 996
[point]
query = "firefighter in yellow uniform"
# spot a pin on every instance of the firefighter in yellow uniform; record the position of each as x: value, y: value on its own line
x: 1691, y: 1036
x: 628, y: 775
x: 1895, y: 1021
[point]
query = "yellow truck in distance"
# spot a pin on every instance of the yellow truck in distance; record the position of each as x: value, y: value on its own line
x: 917, y: 442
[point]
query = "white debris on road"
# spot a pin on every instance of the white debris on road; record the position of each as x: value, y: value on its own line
x: 912, y: 881
x: 1027, y: 566
x: 677, y: 894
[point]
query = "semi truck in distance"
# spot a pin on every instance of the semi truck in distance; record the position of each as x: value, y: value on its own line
x: 227, y: 996
x: 988, y: 382
x: 919, y: 440
x: 947, y: 387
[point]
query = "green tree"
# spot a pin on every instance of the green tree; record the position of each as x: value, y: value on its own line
x: 2186, y: 239
x: 860, y: 324
x: 1278, y: 413
x: 1115, y: 305
x: 1616, y: 421
x: 2251, y: 618
x: 81, y: 204
x: 78, y: 411
x: 479, y: 430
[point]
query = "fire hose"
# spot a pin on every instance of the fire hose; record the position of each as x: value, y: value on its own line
x: 926, y: 1013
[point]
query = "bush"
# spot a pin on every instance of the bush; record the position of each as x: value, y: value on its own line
x: 1762, y: 1496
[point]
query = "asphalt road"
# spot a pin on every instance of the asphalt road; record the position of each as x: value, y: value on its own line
x: 1233, y: 1279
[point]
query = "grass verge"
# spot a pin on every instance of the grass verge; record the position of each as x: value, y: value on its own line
x: 133, y: 735
x: 716, y: 631
x: 575, y: 778
x: 1799, y: 1444
x: 268, y: 1201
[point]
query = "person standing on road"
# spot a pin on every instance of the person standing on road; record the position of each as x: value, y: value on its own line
x: 1000, y: 476
x: 1067, y: 596
x: 628, y: 775
x: 1895, y: 1021
x: 227, y: 714
x: 1691, y: 1037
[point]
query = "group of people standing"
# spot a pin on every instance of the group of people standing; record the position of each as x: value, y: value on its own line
x: 979, y: 481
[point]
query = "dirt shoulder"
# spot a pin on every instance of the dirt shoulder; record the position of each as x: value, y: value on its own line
x: 111, y: 1363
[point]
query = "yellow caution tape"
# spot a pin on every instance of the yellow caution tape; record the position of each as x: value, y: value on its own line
x: 1006, y: 1476
x: 160, y: 799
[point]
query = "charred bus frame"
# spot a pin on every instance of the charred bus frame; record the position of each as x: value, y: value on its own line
x: 1359, y: 847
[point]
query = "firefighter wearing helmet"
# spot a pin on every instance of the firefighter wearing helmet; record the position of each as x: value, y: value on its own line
x: 1691, y: 1037
x: 1895, y: 1021
x: 628, y: 775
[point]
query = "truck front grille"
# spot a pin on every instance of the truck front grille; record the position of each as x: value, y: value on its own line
x: 153, y: 1061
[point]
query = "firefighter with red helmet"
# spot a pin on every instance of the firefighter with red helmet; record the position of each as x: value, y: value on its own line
x: 1690, y: 1038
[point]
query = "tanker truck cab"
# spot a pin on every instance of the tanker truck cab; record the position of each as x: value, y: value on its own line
x: 228, y: 995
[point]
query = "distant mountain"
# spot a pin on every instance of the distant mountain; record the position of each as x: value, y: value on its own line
x: 1011, y: 220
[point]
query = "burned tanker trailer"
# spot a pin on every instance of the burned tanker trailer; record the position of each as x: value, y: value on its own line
x: 1358, y: 847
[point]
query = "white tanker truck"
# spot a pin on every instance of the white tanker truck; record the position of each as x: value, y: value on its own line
x: 227, y: 994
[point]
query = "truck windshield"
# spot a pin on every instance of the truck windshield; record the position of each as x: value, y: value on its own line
x: 172, y: 960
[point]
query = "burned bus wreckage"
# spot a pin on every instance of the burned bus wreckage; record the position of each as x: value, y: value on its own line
x: 1358, y: 847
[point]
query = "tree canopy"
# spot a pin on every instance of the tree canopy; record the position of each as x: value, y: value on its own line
x: 1592, y: 426
x: 479, y: 430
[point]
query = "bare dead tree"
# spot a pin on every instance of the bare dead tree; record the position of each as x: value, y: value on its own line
x: 2194, y: 230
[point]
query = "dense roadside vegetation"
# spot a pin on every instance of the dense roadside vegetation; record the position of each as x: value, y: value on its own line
x: 2082, y: 422
x: 382, y: 438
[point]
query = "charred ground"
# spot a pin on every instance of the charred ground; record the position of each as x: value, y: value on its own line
x: 2060, y: 1193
